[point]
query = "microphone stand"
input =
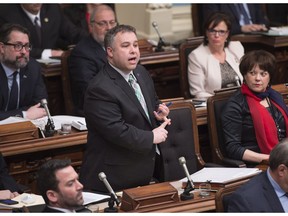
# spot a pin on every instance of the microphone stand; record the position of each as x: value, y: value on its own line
x: 161, y: 42
x: 186, y: 195
x: 160, y: 45
x: 111, y: 203
x: 49, y: 128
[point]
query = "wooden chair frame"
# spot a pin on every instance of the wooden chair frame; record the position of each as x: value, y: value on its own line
x: 217, y: 152
x: 66, y: 85
x: 180, y: 104
x: 184, y: 50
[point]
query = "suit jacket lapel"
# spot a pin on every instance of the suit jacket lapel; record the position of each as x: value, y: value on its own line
x: 271, y: 195
x: 23, y: 77
x: 122, y: 83
x: 144, y: 91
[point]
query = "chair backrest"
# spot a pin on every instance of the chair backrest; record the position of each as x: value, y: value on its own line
x: 66, y: 86
x: 184, y: 50
x: 215, y: 105
x: 182, y: 140
x: 283, y: 89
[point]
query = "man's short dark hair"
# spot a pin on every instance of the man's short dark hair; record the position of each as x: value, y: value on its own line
x: 110, y: 35
x: 7, y: 28
x: 279, y: 155
x: 46, y: 176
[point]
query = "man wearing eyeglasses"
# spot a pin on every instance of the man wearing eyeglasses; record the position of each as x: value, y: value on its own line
x: 88, y: 57
x: 21, y: 84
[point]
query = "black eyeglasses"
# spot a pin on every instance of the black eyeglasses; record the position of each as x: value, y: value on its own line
x: 18, y: 47
x: 103, y: 24
x: 214, y: 32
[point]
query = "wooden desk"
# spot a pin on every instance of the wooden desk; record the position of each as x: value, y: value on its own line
x: 277, y: 45
x: 24, y: 158
x: 197, y: 204
x: 163, y: 67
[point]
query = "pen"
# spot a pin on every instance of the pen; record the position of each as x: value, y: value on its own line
x: 80, y: 122
x: 168, y: 105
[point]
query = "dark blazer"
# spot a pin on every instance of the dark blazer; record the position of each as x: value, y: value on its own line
x: 32, y: 89
x: 6, y: 181
x: 57, y: 30
x: 256, y: 13
x: 47, y: 209
x: 85, y: 61
x: 257, y: 195
x: 120, y: 138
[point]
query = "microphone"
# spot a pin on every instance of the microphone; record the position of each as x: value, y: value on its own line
x: 161, y: 42
x: 190, y: 186
x: 114, y: 197
x: 49, y: 128
x: 237, y: 80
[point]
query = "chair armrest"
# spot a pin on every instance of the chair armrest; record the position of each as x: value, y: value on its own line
x: 233, y: 162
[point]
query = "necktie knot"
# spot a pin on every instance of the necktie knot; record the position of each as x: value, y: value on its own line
x: 131, y: 79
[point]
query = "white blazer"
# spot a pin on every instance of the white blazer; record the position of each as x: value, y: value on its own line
x: 204, y: 73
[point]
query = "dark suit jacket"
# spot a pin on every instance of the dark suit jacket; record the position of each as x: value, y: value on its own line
x: 32, y: 89
x: 57, y: 30
x: 6, y: 181
x: 81, y: 209
x: 86, y: 60
x: 120, y: 138
x: 256, y: 13
x: 257, y: 195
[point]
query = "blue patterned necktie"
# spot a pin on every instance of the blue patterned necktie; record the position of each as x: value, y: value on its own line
x: 13, y: 96
x: 133, y: 83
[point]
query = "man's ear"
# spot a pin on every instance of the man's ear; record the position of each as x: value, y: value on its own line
x: 109, y: 51
x: 281, y: 170
x: 52, y: 196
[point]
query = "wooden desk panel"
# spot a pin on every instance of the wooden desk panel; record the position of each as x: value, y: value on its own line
x: 24, y: 158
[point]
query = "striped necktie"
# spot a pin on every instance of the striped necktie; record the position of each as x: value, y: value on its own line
x: 38, y: 29
x: 13, y: 96
x: 133, y: 83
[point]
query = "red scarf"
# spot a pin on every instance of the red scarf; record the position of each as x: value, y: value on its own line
x: 264, y: 124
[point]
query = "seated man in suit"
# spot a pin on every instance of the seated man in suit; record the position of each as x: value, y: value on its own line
x: 51, y: 31
x: 79, y: 14
x: 59, y: 186
x: 21, y: 83
x: 245, y: 18
x: 89, y: 56
x: 8, y: 186
x: 268, y: 191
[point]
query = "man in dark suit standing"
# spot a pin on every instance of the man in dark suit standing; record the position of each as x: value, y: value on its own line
x: 268, y: 191
x: 51, y: 31
x: 123, y: 128
x: 245, y: 18
x: 59, y: 186
x: 21, y: 83
x: 89, y: 56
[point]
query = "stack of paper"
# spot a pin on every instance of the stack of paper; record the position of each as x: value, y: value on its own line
x: 222, y: 175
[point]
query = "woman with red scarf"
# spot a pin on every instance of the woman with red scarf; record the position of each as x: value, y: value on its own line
x: 255, y: 118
